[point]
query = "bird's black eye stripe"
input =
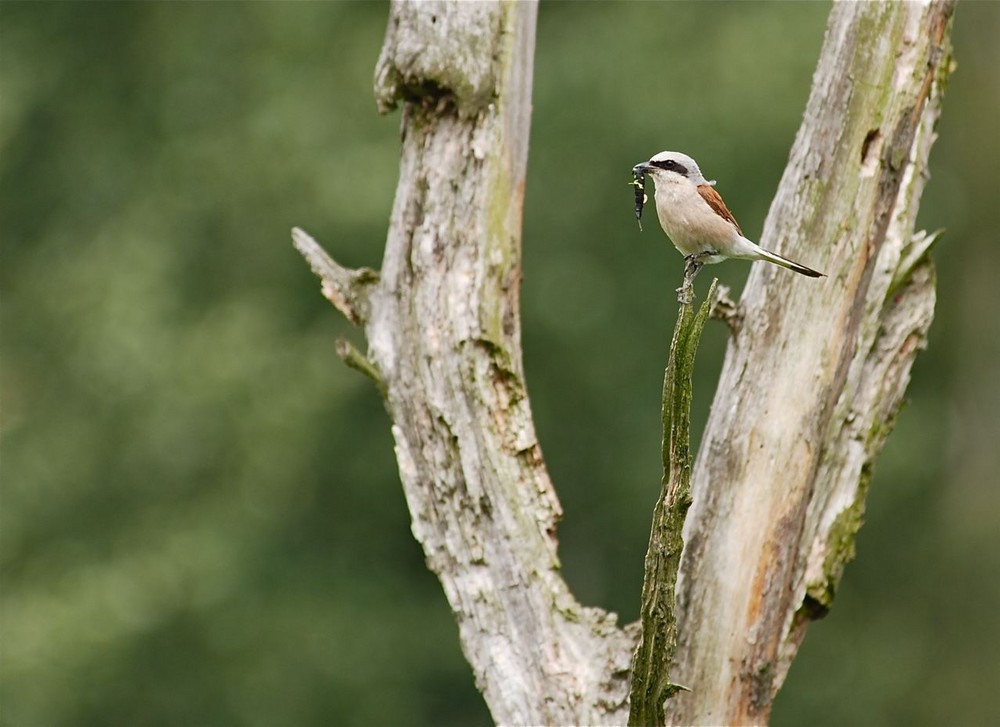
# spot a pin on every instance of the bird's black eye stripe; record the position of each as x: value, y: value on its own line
x: 670, y: 165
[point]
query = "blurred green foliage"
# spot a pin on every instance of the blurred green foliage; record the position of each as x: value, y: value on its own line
x: 201, y: 518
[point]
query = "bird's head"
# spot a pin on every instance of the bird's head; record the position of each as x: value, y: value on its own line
x: 671, y: 166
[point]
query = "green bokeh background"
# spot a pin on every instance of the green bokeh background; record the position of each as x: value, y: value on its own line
x: 201, y: 516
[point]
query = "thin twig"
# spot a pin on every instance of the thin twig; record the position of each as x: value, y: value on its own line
x: 359, y: 362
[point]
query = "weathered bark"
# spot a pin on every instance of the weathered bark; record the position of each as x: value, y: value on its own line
x: 444, y: 336
x: 810, y: 384
x: 812, y: 380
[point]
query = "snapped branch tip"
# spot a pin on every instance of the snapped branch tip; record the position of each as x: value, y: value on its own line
x: 725, y: 309
x: 346, y: 288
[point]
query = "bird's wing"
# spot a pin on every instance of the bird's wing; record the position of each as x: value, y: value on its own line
x: 714, y: 201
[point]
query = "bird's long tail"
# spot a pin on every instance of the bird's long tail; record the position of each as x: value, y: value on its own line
x: 773, y: 257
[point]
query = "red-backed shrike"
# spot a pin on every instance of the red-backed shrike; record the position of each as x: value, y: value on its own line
x: 696, y: 219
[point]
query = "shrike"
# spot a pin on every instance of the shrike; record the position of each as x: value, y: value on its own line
x: 696, y: 219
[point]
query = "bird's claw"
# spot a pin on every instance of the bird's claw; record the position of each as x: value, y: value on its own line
x: 692, y: 264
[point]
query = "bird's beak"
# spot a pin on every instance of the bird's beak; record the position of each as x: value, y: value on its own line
x: 642, y: 168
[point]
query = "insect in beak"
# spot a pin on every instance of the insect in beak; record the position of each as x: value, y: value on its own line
x: 639, y: 181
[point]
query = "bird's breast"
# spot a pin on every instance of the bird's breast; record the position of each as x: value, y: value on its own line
x: 689, y: 222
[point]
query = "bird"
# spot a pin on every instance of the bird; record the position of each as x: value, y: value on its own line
x: 696, y: 219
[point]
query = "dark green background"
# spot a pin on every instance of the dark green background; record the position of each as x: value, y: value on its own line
x: 201, y: 517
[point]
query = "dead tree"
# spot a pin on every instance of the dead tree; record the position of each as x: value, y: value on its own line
x: 812, y: 378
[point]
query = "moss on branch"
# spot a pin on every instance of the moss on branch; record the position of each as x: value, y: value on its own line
x: 651, y: 685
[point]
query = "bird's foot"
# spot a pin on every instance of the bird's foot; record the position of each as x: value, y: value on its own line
x: 692, y: 264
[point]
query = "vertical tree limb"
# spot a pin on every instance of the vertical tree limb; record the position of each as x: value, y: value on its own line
x: 812, y: 380
x: 443, y: 327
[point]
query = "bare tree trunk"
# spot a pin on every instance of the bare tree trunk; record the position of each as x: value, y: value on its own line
x: 444, y: 335
x: 810, y: 382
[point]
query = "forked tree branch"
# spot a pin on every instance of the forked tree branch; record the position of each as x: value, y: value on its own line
x: 812, y: 378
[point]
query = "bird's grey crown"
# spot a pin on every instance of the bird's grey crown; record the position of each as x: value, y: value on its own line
x: 675, y: 161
